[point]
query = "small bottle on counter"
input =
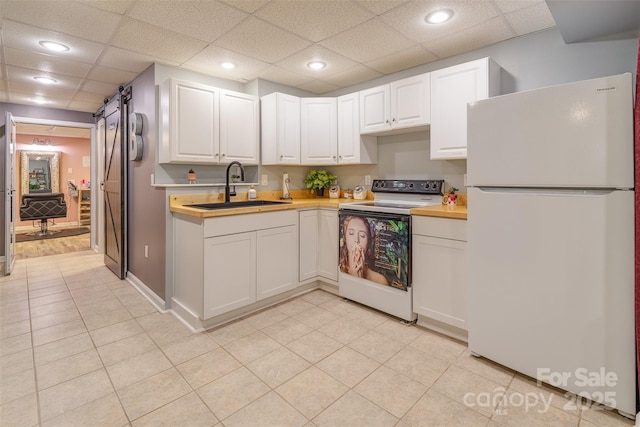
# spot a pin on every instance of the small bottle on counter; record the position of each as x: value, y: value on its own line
x: 252, y: 193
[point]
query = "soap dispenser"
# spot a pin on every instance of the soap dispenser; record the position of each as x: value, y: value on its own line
x: 252, y: 193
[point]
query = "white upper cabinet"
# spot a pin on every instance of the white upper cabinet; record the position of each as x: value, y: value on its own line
x: 451, y: 89
x: 280, y: 129
x: 395, y: 107
x: 353, y: 148
x: 190, y: 124
x: 319, y: 131
x: 239, y: 127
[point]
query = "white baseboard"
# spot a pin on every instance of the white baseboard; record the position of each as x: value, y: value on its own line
x: 154, y: 299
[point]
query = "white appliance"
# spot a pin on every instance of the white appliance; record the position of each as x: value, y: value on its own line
x: 375, y: 244
x: 551, y: 236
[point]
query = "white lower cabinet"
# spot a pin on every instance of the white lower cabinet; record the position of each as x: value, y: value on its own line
x: 318, y: 244
x: 308, y: 244
x: 439, y: 274
x: 328, y: 243
x: 229, y: 273
x: 226, y: 263
x: 277, y: 252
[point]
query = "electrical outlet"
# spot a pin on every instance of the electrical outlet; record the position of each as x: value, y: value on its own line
x: 146, y: 251
x: 367, y: 180
x: 264, y: 180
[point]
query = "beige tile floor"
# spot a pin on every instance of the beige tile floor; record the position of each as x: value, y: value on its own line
x: 80, y: 348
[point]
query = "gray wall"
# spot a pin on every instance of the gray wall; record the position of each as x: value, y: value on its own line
x: 18, y: 110
x: 146, y: 205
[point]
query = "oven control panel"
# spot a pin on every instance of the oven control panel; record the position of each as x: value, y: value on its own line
x: 410, y: 186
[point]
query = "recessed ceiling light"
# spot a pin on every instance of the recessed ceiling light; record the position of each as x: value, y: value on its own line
x: 316, y: 65
x: 56, y: 47
x: 228, y: 65
x: 39, y: 100
x: 439, y: 16
x: 45, y: 80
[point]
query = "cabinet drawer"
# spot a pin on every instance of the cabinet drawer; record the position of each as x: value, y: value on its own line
x: 445, y: 228
x: 232, y: 224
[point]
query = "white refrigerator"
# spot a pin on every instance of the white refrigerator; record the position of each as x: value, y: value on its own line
x: 551, y: 236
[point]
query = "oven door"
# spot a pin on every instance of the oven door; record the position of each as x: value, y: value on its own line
x: 376, y: 247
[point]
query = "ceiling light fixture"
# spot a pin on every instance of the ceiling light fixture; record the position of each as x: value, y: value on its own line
x: 45, y: 80
x: 316, y: 65
x: 228, y: 65
x: 55, y: 46
x: 37, y: 141
x: 439, y: 16
x: 39, y: 100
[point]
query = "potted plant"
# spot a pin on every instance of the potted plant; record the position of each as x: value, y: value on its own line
x: 318, y: 180
x: 451, y: 198
x: 191, y: 176
x: 235, y: 178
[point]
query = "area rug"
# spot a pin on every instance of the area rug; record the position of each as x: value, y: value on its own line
x: 64, y: 232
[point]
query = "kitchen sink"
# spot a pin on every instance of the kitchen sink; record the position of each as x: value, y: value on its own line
x: 241, y: 204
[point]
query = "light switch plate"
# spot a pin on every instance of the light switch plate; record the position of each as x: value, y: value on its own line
x: 264, y: 180
x: 367, y: 180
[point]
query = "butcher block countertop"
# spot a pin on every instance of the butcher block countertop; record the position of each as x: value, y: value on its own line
x: 301, y: 199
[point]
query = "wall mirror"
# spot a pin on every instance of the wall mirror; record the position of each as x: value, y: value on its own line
x: 40, y: 171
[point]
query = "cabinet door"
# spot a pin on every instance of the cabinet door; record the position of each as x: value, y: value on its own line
x: 229, y: 273
x: 375, y: 110
x: 353, y: 148
x: 239, y: 127
x: 451, y: 89
x: 440, y: 280
x: 308, y: 243
x: 288, y: 129
x: 318, y: 131
x: 277, y: 257
x: 328, y: 244
x: 410, y: 102
x: 193, y: 123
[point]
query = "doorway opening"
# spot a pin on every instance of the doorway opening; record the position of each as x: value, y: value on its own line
x: 79, y: 154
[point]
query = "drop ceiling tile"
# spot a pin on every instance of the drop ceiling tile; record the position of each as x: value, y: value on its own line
x: 282, y: 76
x: 88, y: 107
x: 39, y: 90
x: 531, y: 19
x: 318, y: 87
x: 93, y: 86
x: 134, y: 62
x: 258, y: 39
x: 111, y: 75
x: 507, y: 6
x: 210, y: 59
x: 116, y: 6
x: 408, y: 18
x: 336, y: 63
x: 26, y: 76
x: 248, y: 6
x: 314, y: 20
x: 398, y: 61
x: 352, y: 76
x: 26, y: 98
x: 492, y: 31
x: 154, y: 41
x: 47, y: 63
x: 379, y: 7
x: 203, y: 19
x: 367, y: 41
x: 89, y: 97
x: 26, y: 37
x: 68, y: 17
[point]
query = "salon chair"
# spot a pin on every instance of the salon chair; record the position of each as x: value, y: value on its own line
x: 43, y: 207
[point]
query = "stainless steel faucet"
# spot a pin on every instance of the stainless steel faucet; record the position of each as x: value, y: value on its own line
x: 227, y: 190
